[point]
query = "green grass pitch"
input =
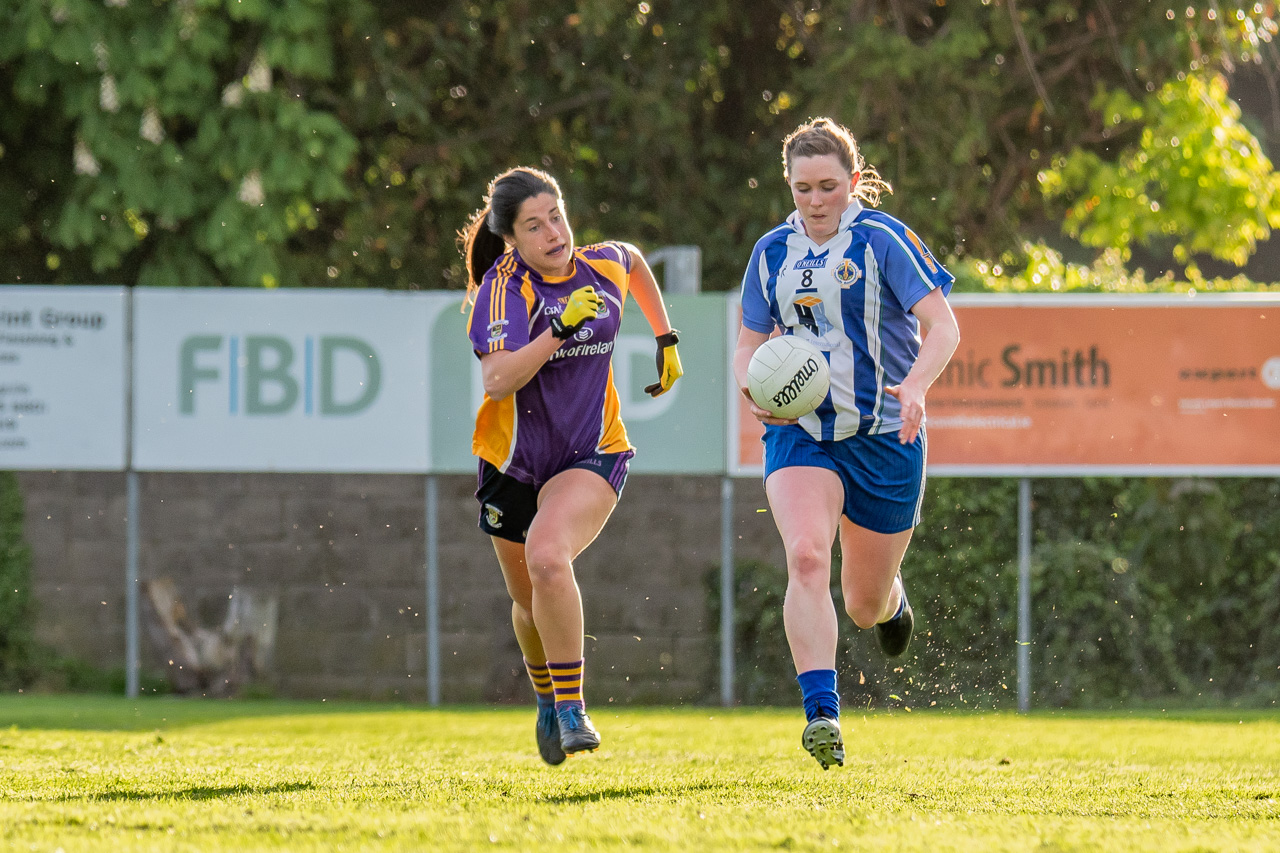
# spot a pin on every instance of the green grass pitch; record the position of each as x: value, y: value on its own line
x: 104, y: 773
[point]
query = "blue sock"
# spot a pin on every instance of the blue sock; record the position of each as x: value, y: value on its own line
x: 902, y: 602
x: 818, y: 688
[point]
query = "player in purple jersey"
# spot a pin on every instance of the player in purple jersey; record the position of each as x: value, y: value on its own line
x: 553, y: 450
x: 860, y: 285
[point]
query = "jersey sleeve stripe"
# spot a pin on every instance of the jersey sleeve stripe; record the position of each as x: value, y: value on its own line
x: 871, y: 306
x: 530, y: 298
x: 906, y: 248
x: 506, y: 265
x: 496, y: 299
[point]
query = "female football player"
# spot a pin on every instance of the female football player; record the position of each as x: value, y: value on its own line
x: 860, y: 285
x: 553, y: 451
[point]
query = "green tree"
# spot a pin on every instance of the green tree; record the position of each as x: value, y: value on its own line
x: 343, y: 142
x: 967, y: 106
x: 183, y: 143
x: 651, y: 116
x: 1194, y: 176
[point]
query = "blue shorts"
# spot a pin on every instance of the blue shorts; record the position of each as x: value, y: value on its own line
x: 883, y: 480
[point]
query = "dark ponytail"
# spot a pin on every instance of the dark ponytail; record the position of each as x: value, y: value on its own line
x: 481, y: 239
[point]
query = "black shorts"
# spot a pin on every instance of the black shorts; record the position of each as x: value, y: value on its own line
x: 507, y: 505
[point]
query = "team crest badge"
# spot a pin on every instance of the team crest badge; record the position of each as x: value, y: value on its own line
x: 847, y: 273
x: 497, y: 331
x: 493, y: 516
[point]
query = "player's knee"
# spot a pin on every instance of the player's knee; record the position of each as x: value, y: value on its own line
x: 809, y: 563
x: 548, y: 563
x: 863, y: 611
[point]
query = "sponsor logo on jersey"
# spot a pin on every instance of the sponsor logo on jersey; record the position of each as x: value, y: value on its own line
x: 812, y: 261
x: 493, y: 516
x: 924, y: 253
x: 811, y: 313
x: 496, y: 331
x: 598, y: 348
x: 848, y: 272
x: 583, y: 335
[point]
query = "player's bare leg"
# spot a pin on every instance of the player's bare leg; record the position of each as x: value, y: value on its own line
x: 516, y: 574
x: 806, y: 505
x: 572, y: 510
x: 872, y: 584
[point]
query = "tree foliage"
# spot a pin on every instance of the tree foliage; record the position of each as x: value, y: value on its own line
x: 1194, y: 176
x: 179, y: 143
x: 968, y: 105
x: 343, y: 142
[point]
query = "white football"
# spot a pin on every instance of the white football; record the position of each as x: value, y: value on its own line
x: 788, y: 376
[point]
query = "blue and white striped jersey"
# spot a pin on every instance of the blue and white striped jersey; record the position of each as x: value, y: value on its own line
x: 851, y: 296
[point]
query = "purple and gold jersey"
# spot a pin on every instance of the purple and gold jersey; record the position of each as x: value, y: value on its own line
x: 569, y: 410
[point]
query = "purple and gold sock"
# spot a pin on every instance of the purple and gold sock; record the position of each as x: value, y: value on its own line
x: 566, y: 678
x: 540, y: 676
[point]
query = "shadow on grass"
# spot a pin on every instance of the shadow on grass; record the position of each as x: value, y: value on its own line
x: 630, y: 792
x: 199, y: 792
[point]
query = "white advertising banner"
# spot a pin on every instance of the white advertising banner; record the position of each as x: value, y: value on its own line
x: 297, y: 380
x: 62, y: 378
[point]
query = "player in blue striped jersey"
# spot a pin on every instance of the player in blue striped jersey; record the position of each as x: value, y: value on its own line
x: 861, y: 286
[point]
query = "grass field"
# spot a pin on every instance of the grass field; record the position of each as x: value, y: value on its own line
x: 101, y: 773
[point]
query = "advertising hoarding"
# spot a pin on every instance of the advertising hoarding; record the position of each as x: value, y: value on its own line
x: 297, y: 380
x: 62, y: 377
x: 1046, y: 385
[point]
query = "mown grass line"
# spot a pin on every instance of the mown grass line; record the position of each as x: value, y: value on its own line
x: 94, y: 773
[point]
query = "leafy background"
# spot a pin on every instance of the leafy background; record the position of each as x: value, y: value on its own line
x: 343, y: 142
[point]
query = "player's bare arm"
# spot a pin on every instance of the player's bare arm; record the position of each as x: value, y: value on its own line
x: 507, y: 371
x: 941, y: 337
x: 644, y: 289
x: 749, y: 341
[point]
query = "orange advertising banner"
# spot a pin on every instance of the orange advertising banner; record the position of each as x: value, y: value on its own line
x: 1049, y: 385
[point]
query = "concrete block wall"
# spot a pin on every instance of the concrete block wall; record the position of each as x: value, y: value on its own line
x: 344, y: 556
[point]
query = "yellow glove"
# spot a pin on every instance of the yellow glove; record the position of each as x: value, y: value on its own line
x: 669, y: 369
x: 583, y: 305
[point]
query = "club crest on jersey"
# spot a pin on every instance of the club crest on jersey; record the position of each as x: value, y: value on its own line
x: 493, y: 516
x: 497, y: 332
x: 812, y: 261
x: 848, y: 272
x: 924, y: 253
